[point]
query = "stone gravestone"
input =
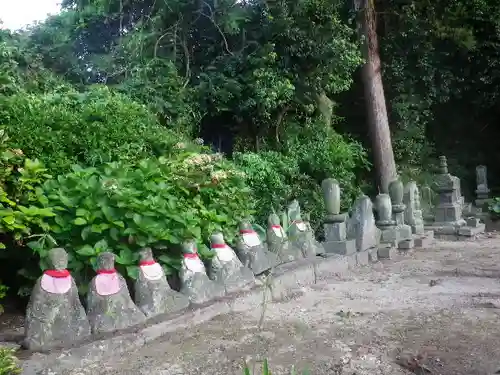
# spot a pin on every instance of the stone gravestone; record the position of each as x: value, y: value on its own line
x: 362, y: 228
x: 448, y: 221
x: 301, y: 235
x: 482, y: 190
x: 226, y: 268
x: 277, y: 241
x: 252, y: 253
x: 414, y: 217
x: 153, y: 294
x: 335, y: 228
x: 396, y: 192
x: 427, y: 205
x: 110, y: 306
x: 389, y: 236
x: 195, y: 284
x: 55, y: 315
x: 319, y: 249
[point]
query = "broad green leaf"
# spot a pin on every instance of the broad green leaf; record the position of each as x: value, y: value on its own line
x: 86, y: 250
x: 79, y: 221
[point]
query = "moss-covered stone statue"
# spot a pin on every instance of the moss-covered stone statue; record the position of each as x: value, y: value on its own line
x: 301, y: 233
x: 277, y: 241
x: 55, y: 315
x: 226, y: 268
x: 195, y: 283
x: 153, y: 294
x: 110, y: 306
x: 252, y: 253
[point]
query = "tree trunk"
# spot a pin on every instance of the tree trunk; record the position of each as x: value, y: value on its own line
x: 378, y: 122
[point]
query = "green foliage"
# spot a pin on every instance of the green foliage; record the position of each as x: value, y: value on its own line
x: 3, y: 293
x: 156, y: 202
x: 89, y: 128
x: 494, y: 208
x: 310, y: 156
x: 21, y: 198
x: 8, y: 362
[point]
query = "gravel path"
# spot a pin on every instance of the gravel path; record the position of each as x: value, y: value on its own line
x: 435, y: 309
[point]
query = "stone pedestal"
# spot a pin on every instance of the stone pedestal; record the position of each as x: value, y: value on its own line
x: 396, y: 192
x: 336, y: 239
x: 424, y: 240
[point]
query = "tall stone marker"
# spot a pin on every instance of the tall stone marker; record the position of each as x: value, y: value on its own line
x: 195, y: 284
x: 153, y: 294
x: 362, y: 228
x: 252, y: 253
x: 389, y: 235
x: 414, y: 216
x: 277, y: 241
x: 396, y: 192
x: 110, y: 307
x: 427, y: 205
x: 449, y: 223
x: 301, y: 234
x: 482, y: 189
x: 55, y: 315
x: 334, y: 226
x: 226, y: 268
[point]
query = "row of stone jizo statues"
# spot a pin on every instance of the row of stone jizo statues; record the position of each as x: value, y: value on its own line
x: 55, y: 314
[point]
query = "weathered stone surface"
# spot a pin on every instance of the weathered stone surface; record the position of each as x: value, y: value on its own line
x: 373, y: 254
x: 252, y: 252
x: 406, y: 244
x: 425, y: 240
x: 226, y: 268
x: 277, y: 241
x: 387, y: 225
x: 396, y: 192
x: 331, y: 195
x: 195, y: 284
x: 361, y: 224
x: 301, y: 234
x: 362, y: 257
x: 55, y: 315
x: 153, y: 295
x: 427, y: 205
x: 110, y: 306
x: 387, y: 251
x: 413, y: 213
x: 482, y: 189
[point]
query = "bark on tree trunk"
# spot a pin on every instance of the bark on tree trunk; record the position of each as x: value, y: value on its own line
x: 378, y: 122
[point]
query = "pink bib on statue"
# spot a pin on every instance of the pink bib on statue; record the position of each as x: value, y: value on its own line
x: 107, y: 283
x: 56, y: 284
x: 151, y: 270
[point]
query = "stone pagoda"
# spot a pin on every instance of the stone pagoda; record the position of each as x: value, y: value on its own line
x: 448, y: 219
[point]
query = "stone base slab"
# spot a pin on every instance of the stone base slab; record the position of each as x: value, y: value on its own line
x: 425, y: 240
x: 386, y: 252
x: 362, y: 258
x: 373, y: 255
x: 346, y: 247
x: 406, y: 244
x: 471, y: 231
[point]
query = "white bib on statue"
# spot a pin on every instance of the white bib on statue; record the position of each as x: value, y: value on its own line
x: 152, y: 271
x: 251, y: 239
x: 278, y: 232
x: 107, y: 284
x: 56, y: 285
x: 194, y: 264
x: 225, y: 254
x: 301, y: 226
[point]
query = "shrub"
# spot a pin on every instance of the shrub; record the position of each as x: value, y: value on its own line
x: 156, y: 202
x: 8, y: 362
x: 89, y: 128
x: 310, y: 156
x: 3, y: 293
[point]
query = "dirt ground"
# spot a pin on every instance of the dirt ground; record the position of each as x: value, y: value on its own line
x: 435, y: 309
